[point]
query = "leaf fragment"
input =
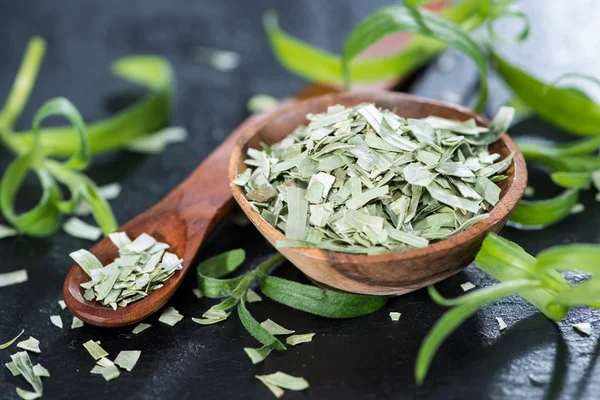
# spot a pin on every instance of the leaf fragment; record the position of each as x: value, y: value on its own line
x: 297, y: 339
x: 26, y: 395
x: 501, y: 324
x: 157, y: 142
x: 220, y: 60
x: 467, y: 286
x: 110, y: 372
x: 31, y: 344
x: 127, y: 359
x: 258, y: 355
x: 284, y: 381
x: 261, y: 103
x: 170, y: 316
x: 12, y: 368
x: 13, y: 278
x: 95, y: 350
x: 140, y: 328
x: 40, y: 371
x: 583, y: 327
x: 252, y: 296
x: 79, y: 229
x: 86, y: 260
x: 56, y: 321
x: 10, y: 342
x: 274, y: 328
x: 395, y: 316
x: 76, y: 323
x: 120, y: 239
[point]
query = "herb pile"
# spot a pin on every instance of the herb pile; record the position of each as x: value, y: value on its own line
x: 143, y: 266
x: 364, y: 180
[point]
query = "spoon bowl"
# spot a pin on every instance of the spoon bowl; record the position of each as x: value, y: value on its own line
x: 392, y: 273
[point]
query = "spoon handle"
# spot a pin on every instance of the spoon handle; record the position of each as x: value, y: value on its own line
x: 203, y: 199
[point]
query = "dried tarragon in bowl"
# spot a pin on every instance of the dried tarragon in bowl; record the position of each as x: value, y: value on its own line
x: 143, y: 265
x: 365, y: 180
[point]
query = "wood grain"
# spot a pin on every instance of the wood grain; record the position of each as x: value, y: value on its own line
x: 387, y: 274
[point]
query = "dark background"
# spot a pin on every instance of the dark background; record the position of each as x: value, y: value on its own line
x: 365, y: 358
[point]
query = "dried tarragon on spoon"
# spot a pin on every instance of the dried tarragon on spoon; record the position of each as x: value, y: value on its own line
x: 143, y: 265
x: 365, y: 180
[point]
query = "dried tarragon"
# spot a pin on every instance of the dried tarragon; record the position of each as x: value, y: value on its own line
x: 143, y: 265
x: 21, y: 365
x: 365, y: 180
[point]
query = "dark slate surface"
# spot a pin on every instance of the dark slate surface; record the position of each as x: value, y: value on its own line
x: 366, y: 358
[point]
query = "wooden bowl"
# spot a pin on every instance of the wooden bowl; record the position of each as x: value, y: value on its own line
x: 385, y: 274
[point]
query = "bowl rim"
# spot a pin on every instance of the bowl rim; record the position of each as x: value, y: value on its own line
x: 498, y: 213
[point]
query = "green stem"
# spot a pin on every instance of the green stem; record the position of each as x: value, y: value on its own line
x: 252, y: 276
x: 148, y: 115
x: 20, y: 91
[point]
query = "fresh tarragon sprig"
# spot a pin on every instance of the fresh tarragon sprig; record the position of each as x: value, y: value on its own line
x: 76, y: 142
x: 536, y: 279
x: 302, y: 297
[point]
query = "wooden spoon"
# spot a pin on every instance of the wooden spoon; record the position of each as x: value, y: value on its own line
x: 183, y: 219
x: 387, y: 274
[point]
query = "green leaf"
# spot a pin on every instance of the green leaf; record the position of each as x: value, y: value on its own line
x: 209, y: 272
x: 534, y: 151
x: 256, y: 330
x: 44, y: 218
x: 506, y: 261
x: 311, y: 299
x: 82, y: 187
x: 226, y: 304
x: 285, y: 381
x: 22, y: 85
x: 578, y: 257
x: 453, y: 318
x: 314, y: 64
x: 541, y: 213
x: 393, y: 19
x: 417, y: 3
x: 60, y: 106
x: 258, y: 355
x: 584, y: 294
x: 522, y: 109
x: 146, y: 116
x: 564, y: 107
x: 514, y: 14
x: 474, y: 296
x: 577, y: 156
x: 577, y: 180
x: 583, y: 163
